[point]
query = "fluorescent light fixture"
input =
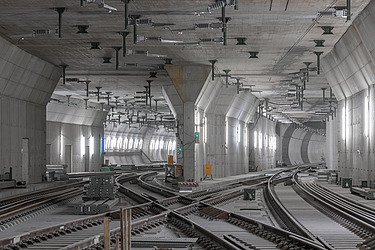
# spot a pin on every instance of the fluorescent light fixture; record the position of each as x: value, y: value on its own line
x: 246, y: 137
x: 152, y: 144
x: 366, y: 117
x: 161, y: 144
x: 82, y: 145
x: 61, y: 145
x: 157, y: 144
x: 205, y: 130
x: 140, y: 143
x: 119, y: 143
x: 170, y: 146
x: 130, y: 144
x: 347, y: 121
x: 238, y: 133
x: 91, y: 144
x: 113, y: 142
x: 226, y: 132
x: 260, y: 140
x: 171, y: 41
x: 174, y: 145
x: 255, y: 139
x: 108, y: 143
x: 343, y: 122
x: 125, y: 145
x: 136, y: 143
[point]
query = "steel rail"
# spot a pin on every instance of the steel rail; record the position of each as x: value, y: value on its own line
x: 337, y: 208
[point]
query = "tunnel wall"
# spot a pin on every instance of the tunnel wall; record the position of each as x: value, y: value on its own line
x: 264, y: 157
x: 222, y: 119
x: 350, y: 71
x: 74, y: 134
x: 77, y: 137
x: 299, y: 146
x: 26, y: 84
x: 354, y: 137
x: 138, y: 146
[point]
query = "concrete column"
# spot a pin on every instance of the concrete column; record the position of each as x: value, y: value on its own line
x: 188, y: 81
x: 188, y: 142
x: 26, y: 85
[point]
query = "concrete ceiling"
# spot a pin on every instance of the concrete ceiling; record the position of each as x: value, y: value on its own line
x: 282, y: 31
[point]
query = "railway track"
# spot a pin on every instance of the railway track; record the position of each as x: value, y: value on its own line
x: 195, y: 217
x: 357, y: 218
x: 15, y: 210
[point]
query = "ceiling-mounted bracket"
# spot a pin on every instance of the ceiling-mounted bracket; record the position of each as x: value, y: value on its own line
x: 149, y: 90
x: 107, y: 59
x: 82, y: 29
x: 241, y: 40
x: 68, y: 97
x: 98, y: 92
x: 86, y: 102
x: 226, y: 71
x: 253, y: 54
x: 60, y: 11
x: 135, y: 19
x: 224, y: 19
x: 87, y: 82
x: 212, y: 68
x: 117, y: 49
x: 95, y: 45
x: 324, y: 94
x: 327, y: 30
x: 124, y: 34
x: 307, y: 70
x: 318, y: 54
x: 126, y: 13
x: 319, y: 43
x: 63, y: 67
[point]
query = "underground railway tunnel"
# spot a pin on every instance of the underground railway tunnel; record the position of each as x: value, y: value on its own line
x: 207, y: 124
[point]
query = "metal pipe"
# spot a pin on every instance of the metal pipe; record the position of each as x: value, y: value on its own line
x: 286, y: 6
x: 348, y: 7
x: 124, y: 34
x: 98, y: 88
x: 213, y: 69
x: 149, y: 91
x: 126, y: 11
x: 117, y: 49
x: 63, y: 66
x: 60, y: 11
x: 87, y: 88
x: 224, y: 21
x: 135, y: 32
x: 318, y: 54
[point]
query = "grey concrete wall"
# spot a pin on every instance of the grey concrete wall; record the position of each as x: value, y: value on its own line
x: 264, y: 157
x: 355, y: 137
x: 153, y: 146
x: 332, y: 153
x: 76, y: 127
x: 26, y: 84
x: 78, y: 137
x: 350, y: 71
x: 300, y: 146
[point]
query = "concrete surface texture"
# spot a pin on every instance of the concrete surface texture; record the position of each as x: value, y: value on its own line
x: 26, y: 84
x: 350, y: 72
x: 133, y: 100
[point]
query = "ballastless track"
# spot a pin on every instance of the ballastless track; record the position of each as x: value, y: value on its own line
x: 182, y: 212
